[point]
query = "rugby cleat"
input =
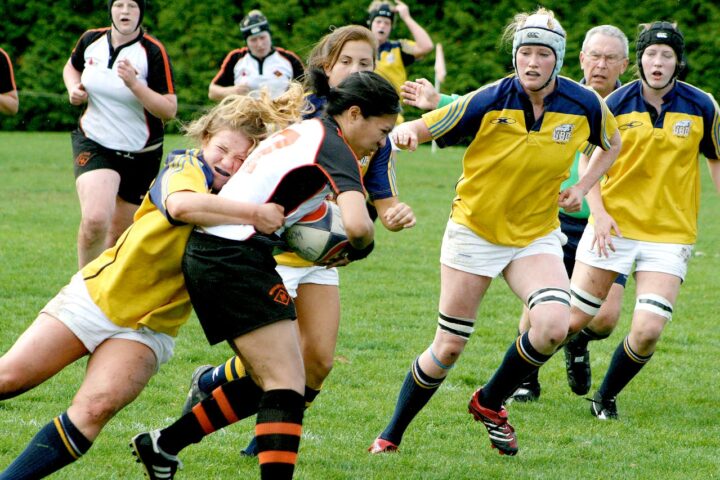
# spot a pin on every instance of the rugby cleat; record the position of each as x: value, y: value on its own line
x: 158, y: 464
x: 577, y: 367
x: 502, y: 434
x: 526, y: 392
x: 380, y: 445
x: 603, y: 408
x: 195, y: 395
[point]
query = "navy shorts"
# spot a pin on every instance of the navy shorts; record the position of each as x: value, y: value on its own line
x: 137, y: 170
x: 573, y: 228
x: 233, y: 286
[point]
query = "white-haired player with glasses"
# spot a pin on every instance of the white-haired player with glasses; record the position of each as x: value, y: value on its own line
x: 645, y: 212
x: 523, y: 132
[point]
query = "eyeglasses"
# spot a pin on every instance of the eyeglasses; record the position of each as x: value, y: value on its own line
x: 612, y: 59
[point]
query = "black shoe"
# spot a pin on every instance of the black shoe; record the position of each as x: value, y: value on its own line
x: 577, y: 367
x: 195, y: 395
x: 158, y: 464
x: 603, y: 408
x: 528, y: 391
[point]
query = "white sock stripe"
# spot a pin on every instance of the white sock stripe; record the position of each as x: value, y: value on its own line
x: 654, y: 304
x: 548, y: 295
x: 62, y: 418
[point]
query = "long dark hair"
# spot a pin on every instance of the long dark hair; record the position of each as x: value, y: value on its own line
x: 372, y: 93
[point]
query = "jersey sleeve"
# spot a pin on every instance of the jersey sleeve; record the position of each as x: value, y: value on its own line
x: 77, y: 57
x: 710, y: 144
x: 226, y: 77
x: 339, y: 164
x: 602, y: 126
x: 297, y: 65
x: 457, y: 121
x: 7, y: 78
x: 160, y: 72
x: 406, y: 47
x: 379, y: 179
x: 181, y: 172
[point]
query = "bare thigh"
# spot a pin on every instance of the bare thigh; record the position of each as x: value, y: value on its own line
x: 45, y: 348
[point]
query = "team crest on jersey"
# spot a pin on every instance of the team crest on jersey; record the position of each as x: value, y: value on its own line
x: 278, y: 73
x: 503, y: 121
x: 562, y: 133
x: 682, y: 128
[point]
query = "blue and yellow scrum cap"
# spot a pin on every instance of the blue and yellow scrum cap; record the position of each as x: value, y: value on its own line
x: 537, y: 31
x: 661, y: 33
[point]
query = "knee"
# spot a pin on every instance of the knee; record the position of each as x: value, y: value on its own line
x: 95, y: 224
x: 605, y: 322
x: 318, y: 367
x: 95, y: 410
x: 448, y: 348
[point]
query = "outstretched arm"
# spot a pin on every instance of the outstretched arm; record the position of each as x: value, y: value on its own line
x: 423, y: 42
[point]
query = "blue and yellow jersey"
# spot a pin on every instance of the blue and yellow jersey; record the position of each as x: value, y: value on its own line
x: 514, y: 165
x: 378, y: 173
x: 139, y: 281
x: 653, y: 188
x: 393, y: 57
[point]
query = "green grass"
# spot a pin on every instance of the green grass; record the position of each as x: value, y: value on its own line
x: 669, y: 425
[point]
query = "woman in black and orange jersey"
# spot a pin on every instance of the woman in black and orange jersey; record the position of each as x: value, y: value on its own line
x: 125, y: 78
x: 315, y: 289
x: 124, y: 308
x: 523, y: 132
x: 247, y: 303
x: 8, y: 90
x: 647, y: 208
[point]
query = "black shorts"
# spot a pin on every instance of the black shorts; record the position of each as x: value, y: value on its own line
x: 573, y: 228
x: 137, y: 170
x: 233, y: 286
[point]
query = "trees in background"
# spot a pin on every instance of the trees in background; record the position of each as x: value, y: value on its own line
x: 39, y: 36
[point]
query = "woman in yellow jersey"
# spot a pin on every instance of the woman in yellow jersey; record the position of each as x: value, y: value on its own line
x: 315, y: 289
x: 647, y: 207
x: 124, y: 309
x: 523, y: 132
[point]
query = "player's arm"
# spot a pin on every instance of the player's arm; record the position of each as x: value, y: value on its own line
x: 9, y: 103
x: 76, y: 91
x: 161, y: 105
x: 409, y: 135
x: 207, y: 210
x: 358, y: 225
x: 218, y: 92
x: 714, y: 166
x: 394, y: 214
x: 423, y: 42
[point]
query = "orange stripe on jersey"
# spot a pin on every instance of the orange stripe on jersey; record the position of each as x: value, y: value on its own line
x: 226, y: 61
x: 64, y: 438
x: 166, y: 62
x: 277, y: 456
x: 203, y: 419
x: 278, y: 428
x: 224, y: 404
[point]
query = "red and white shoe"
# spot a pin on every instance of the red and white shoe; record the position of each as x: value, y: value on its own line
x: 380, y: 445
x: 502, y: 434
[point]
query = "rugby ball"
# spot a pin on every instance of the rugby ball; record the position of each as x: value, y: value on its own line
x: 319, y: 235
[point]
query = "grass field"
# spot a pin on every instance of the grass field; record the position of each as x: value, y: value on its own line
x: 669, y: 426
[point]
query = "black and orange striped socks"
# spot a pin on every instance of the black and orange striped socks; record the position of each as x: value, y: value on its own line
x: 228, y: 403
x: 278, y: 430
x: 56, y: 445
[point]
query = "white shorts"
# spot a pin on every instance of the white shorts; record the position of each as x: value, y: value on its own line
x: 671, y: 258
x: 295, y: 276
x: 74, y: 308
x: 464, y: 250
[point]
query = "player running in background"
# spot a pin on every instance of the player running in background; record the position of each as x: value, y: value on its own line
x: 258, y: 65
x: 8, y: 90
x: 247, y: 303
x: 604, y: 57
x: 645, y: 212
x: 124, y: 309
x: 315, y: 289
x: 125, y: 77
x: 523, y: 131
x: 394, y: 56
